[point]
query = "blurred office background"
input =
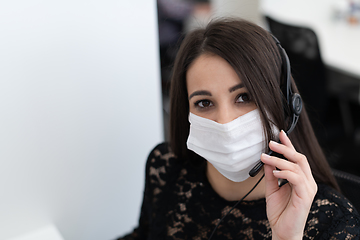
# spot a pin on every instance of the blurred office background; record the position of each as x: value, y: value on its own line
x: 84, y: 97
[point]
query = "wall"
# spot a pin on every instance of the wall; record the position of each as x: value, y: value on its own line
x: 80, y: 109
x: 246, y: 9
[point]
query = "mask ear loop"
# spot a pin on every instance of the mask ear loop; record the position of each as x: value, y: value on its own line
x: 222, y: 219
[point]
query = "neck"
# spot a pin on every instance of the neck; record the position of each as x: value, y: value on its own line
x: 234, y: 191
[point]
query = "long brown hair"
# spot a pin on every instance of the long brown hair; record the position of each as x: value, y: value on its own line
x: 255, y: 57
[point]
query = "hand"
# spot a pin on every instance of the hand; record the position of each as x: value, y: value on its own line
x: 288, y: 207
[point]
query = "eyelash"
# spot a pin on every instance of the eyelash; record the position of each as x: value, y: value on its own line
x: 202, y: 101
x: 242, y: 95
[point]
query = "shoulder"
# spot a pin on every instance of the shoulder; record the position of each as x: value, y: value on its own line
x: 161, y: 155
x: 160, y: 163
x: 332, y: 216
x: 162, y: 151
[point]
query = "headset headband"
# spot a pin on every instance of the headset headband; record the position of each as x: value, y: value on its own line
x: 293, y: 100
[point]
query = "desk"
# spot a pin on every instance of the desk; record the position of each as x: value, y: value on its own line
x: 339, y: 42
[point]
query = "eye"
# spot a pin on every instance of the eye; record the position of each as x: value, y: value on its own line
x: 203, y: 103
x: 243, y: 98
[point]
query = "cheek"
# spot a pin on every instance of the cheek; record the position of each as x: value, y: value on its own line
x: 209, y: 113
x: 191, y: 107
x: 252, y: 106
x: 246, y: 108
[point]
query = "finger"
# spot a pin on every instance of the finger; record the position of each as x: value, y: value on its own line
x: 293, y: 178
x: 288, y: 152
x: 302, y: 187
x: 284, y: 139
x: 300, y: 158
x: 271, y: 182
x: 283, y: 165
x: 292, y: 155
x: 279, y: 163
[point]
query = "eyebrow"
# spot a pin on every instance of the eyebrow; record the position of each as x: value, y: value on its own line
x: 236, y: 87
x: 207, y: 93
x: 201, y: 92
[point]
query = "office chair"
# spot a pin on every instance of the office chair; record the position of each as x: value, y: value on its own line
x: 327, y: 93
x: 350, y: 186
x: 302, y: 47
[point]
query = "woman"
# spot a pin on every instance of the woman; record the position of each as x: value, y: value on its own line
x: 228, y: 104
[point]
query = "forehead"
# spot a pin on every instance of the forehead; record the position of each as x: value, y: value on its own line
x: 210, y: 71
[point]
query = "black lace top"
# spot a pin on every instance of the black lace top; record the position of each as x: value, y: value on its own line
x: 179, y: 203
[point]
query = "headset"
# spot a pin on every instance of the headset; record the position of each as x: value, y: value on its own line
x: 293, y: 100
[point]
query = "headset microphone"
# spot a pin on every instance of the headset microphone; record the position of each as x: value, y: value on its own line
x: 294, y: 102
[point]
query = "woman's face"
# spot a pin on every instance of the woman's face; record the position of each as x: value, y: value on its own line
x: 215, y: 91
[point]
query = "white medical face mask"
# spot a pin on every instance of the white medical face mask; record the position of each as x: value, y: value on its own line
x: 232, y: 148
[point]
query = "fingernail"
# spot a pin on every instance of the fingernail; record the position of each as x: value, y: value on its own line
x: 265, y: 156
x: 276, y: 171
x: 273, y: 142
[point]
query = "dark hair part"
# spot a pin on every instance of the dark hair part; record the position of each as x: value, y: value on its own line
x: 254, y: 55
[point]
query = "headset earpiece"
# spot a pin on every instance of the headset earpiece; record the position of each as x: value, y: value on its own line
x: 293, y: 100
x: 296, y: 103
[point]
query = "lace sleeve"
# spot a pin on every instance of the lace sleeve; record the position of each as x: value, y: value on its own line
x: 345, y: 226
x: 332, y: 217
